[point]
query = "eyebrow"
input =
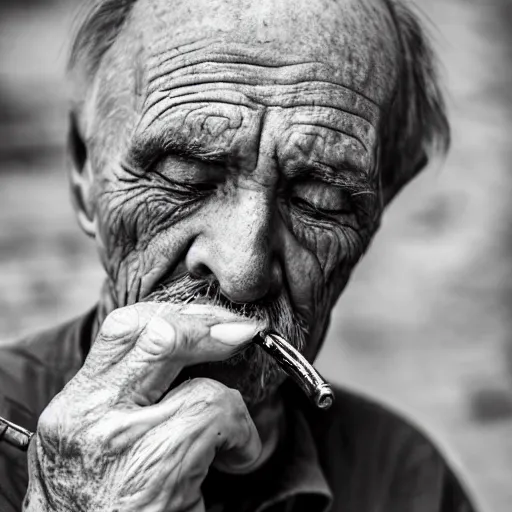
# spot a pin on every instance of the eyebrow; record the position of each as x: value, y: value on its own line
x: 350, y: 179
x: 147, y: 151
x: 192, y: 150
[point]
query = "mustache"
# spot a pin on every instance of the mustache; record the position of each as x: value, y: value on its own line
x: 277, y: 314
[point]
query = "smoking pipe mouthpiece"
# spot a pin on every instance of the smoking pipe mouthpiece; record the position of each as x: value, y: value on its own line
x: 297, y: 367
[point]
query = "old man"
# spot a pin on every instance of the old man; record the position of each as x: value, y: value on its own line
x: 232, y: 160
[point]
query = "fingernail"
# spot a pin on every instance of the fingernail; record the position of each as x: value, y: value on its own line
x: 234, y: 333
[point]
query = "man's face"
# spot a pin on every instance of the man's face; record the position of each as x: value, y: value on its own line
x: 234, y: 155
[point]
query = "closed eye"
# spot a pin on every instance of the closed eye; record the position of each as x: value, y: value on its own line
x: 317, y: 198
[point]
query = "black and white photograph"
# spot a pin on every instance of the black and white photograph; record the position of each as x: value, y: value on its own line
x: 255, y: 256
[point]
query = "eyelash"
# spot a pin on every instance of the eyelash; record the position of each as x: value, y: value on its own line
x: 190, y: 192
x: 313, y: 211
x: 304, y: 206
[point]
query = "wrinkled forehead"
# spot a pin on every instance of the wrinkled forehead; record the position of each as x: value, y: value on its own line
x: 354, y: 41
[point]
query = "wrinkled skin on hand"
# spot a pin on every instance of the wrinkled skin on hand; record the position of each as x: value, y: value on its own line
x: 239, y: 146
x: 104, y: 444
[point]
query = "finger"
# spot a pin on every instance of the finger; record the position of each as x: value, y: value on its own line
x: 118, y: 335
x: 142, y: 348
x: 194, y: 334
x: 211, y: 421
x: 200, y: 422
x: 172, y: 341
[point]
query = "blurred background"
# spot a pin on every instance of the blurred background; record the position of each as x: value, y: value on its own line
x: 425, y: 324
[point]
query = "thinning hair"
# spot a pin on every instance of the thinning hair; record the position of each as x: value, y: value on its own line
x: 414, y: 128
x: 417, y: 125
x: 97, y: 32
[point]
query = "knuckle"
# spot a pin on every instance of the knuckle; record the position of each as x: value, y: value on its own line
x: 49, y: 423
x: 121, y: 323
x: 212, y: 393
x: 55, y: 429
x: 226, y: 402
x: 210, y: 387
x: 159, y: 337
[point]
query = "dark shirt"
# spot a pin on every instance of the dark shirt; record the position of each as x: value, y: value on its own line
x: 356, y: 457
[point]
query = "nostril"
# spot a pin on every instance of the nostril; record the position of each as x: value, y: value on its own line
x: 246, y: 292
x: 201, y: 271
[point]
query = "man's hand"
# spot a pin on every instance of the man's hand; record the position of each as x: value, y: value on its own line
x: 113, y: 440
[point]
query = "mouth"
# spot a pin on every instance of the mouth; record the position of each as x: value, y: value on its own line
x: 254, y: 371
x: 276, y: 314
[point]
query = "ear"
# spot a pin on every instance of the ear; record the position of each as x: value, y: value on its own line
x: 81, y: 179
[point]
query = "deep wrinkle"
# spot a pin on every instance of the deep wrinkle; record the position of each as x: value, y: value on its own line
x: 235, y: 66
x: 323, y: 266
x: 153, y: 118
x: 213, y: 154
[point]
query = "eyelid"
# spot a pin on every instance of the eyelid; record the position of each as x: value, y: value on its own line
x: 318, y: 186
x: 322, y: 199
x: 197, y: 187
x: 189, y: 171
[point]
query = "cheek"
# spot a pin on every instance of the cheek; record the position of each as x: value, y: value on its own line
x: 330, y: 245
x: 141, y: 235
x: 319, y: 260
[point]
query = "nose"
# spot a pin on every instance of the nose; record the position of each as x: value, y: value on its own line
x: 237, y: 247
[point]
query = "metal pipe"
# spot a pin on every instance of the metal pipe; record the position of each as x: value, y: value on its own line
x: 15, y: 435
x: 297, y: 367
